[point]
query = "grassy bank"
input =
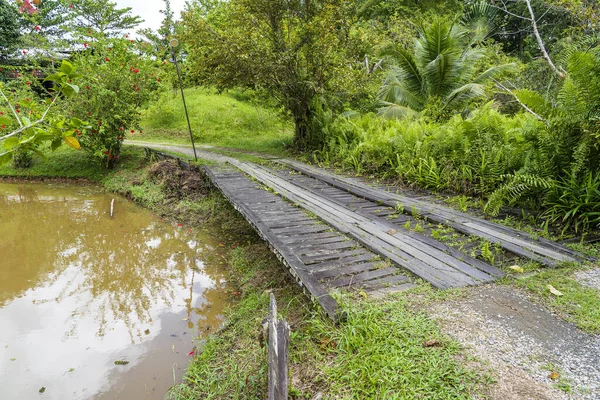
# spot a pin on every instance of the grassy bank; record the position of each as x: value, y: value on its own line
x: 227, y: 120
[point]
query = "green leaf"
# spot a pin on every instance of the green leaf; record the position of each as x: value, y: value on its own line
x: 6, y: 157
x: 11, y: 142
x: 4, y: 120
x: 58, y: 77
x: 40, y: 153
x: 68, y: 91
x: 75, y: 122
x: 66, y: 67
x: 74, y: 87
x: 56, y: 143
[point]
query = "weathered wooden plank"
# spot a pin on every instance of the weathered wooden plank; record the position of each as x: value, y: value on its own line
x: 364, y: 276
x: 309, y: 239
x: 515, y: 240
x: 436, y: 213
x: 322, y: 266
x: 333, y: 255
x: 383, y: 282
x: 345, y: 270
x: 290, y: 260
x: 279, y: 339
x: 300, y: 230
x: 316, y: 248
x: 437, y: 273
x: 289, y: 223
x: 486, y: 269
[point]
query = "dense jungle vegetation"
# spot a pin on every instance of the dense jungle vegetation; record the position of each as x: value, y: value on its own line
x: 494, y: 99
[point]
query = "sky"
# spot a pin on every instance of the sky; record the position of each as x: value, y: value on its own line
x: 149, y: 10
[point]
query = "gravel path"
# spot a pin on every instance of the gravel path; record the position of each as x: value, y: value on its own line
x: 522, y: 344
x: 589, y: 278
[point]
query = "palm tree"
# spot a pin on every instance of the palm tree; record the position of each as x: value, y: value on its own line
x: 440, y: 70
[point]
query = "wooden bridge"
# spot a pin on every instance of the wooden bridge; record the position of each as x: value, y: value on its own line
x: 336, y: 233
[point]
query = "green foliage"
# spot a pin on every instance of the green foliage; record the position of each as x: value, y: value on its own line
x: 440, y: 74
x: 116, y: 82
x: 102, y: 17
x: 295, y: 51
x: 28, y: 120
x: 562, y: 167
x: 9, y: 28
x: 467, y: 156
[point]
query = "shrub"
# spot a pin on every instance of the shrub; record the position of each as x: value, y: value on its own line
x: 117, y: 81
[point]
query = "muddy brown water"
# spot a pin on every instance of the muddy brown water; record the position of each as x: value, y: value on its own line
x: 79, y: 291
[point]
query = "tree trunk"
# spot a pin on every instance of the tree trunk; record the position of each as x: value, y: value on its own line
x: 301, y: 127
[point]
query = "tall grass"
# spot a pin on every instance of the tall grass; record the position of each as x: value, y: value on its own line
x: 227, y: 120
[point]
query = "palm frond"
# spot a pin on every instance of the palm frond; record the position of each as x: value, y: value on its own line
x: 394, y: 91
x: 395, y: 111
x: 464, y: 93
x: 497, y: 72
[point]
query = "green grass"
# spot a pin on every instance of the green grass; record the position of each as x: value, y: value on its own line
x: 579, y: 303
x: 217, y: 120
x: 73, y: 164
x: 378, y: 353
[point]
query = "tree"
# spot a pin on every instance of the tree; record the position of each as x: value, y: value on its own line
x: 296, y: 51
x: 440, y: 72
x: 102, y: 16
x: 160, y: 39
x: 10, y: 34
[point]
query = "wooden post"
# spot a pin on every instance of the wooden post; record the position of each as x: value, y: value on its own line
x: 279, y: 339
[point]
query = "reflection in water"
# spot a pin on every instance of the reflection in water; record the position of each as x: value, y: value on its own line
x: 79, y: 291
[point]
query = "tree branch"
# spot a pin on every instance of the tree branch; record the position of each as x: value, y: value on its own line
x: 529, y: 110
x: 12, y: 109
x: 559, y: 72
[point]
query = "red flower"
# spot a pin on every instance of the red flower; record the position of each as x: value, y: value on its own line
x: 17, y: 110
x: 3, y: 126
x: 87, y: 87
x: 70, y: 5
x: 37, y: 28
x: 116, y: 157
x: 106, y: 152
x: 89, y: 113
x: 106, y: 59
x: 28, y: 83
x: 99, y: 122
x: 121, y: 128
x: 135, y: 71
x: 132, y: 131
x: 24, y: 52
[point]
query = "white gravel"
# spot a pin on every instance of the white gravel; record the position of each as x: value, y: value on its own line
x: 589, y: 278
x: 520, y: 344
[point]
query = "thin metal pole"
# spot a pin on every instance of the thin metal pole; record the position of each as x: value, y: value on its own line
x: 185, y: 105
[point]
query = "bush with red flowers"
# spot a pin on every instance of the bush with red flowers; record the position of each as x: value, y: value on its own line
x: 117, y: 80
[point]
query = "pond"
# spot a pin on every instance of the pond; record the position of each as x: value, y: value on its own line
x: 94, y: 307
